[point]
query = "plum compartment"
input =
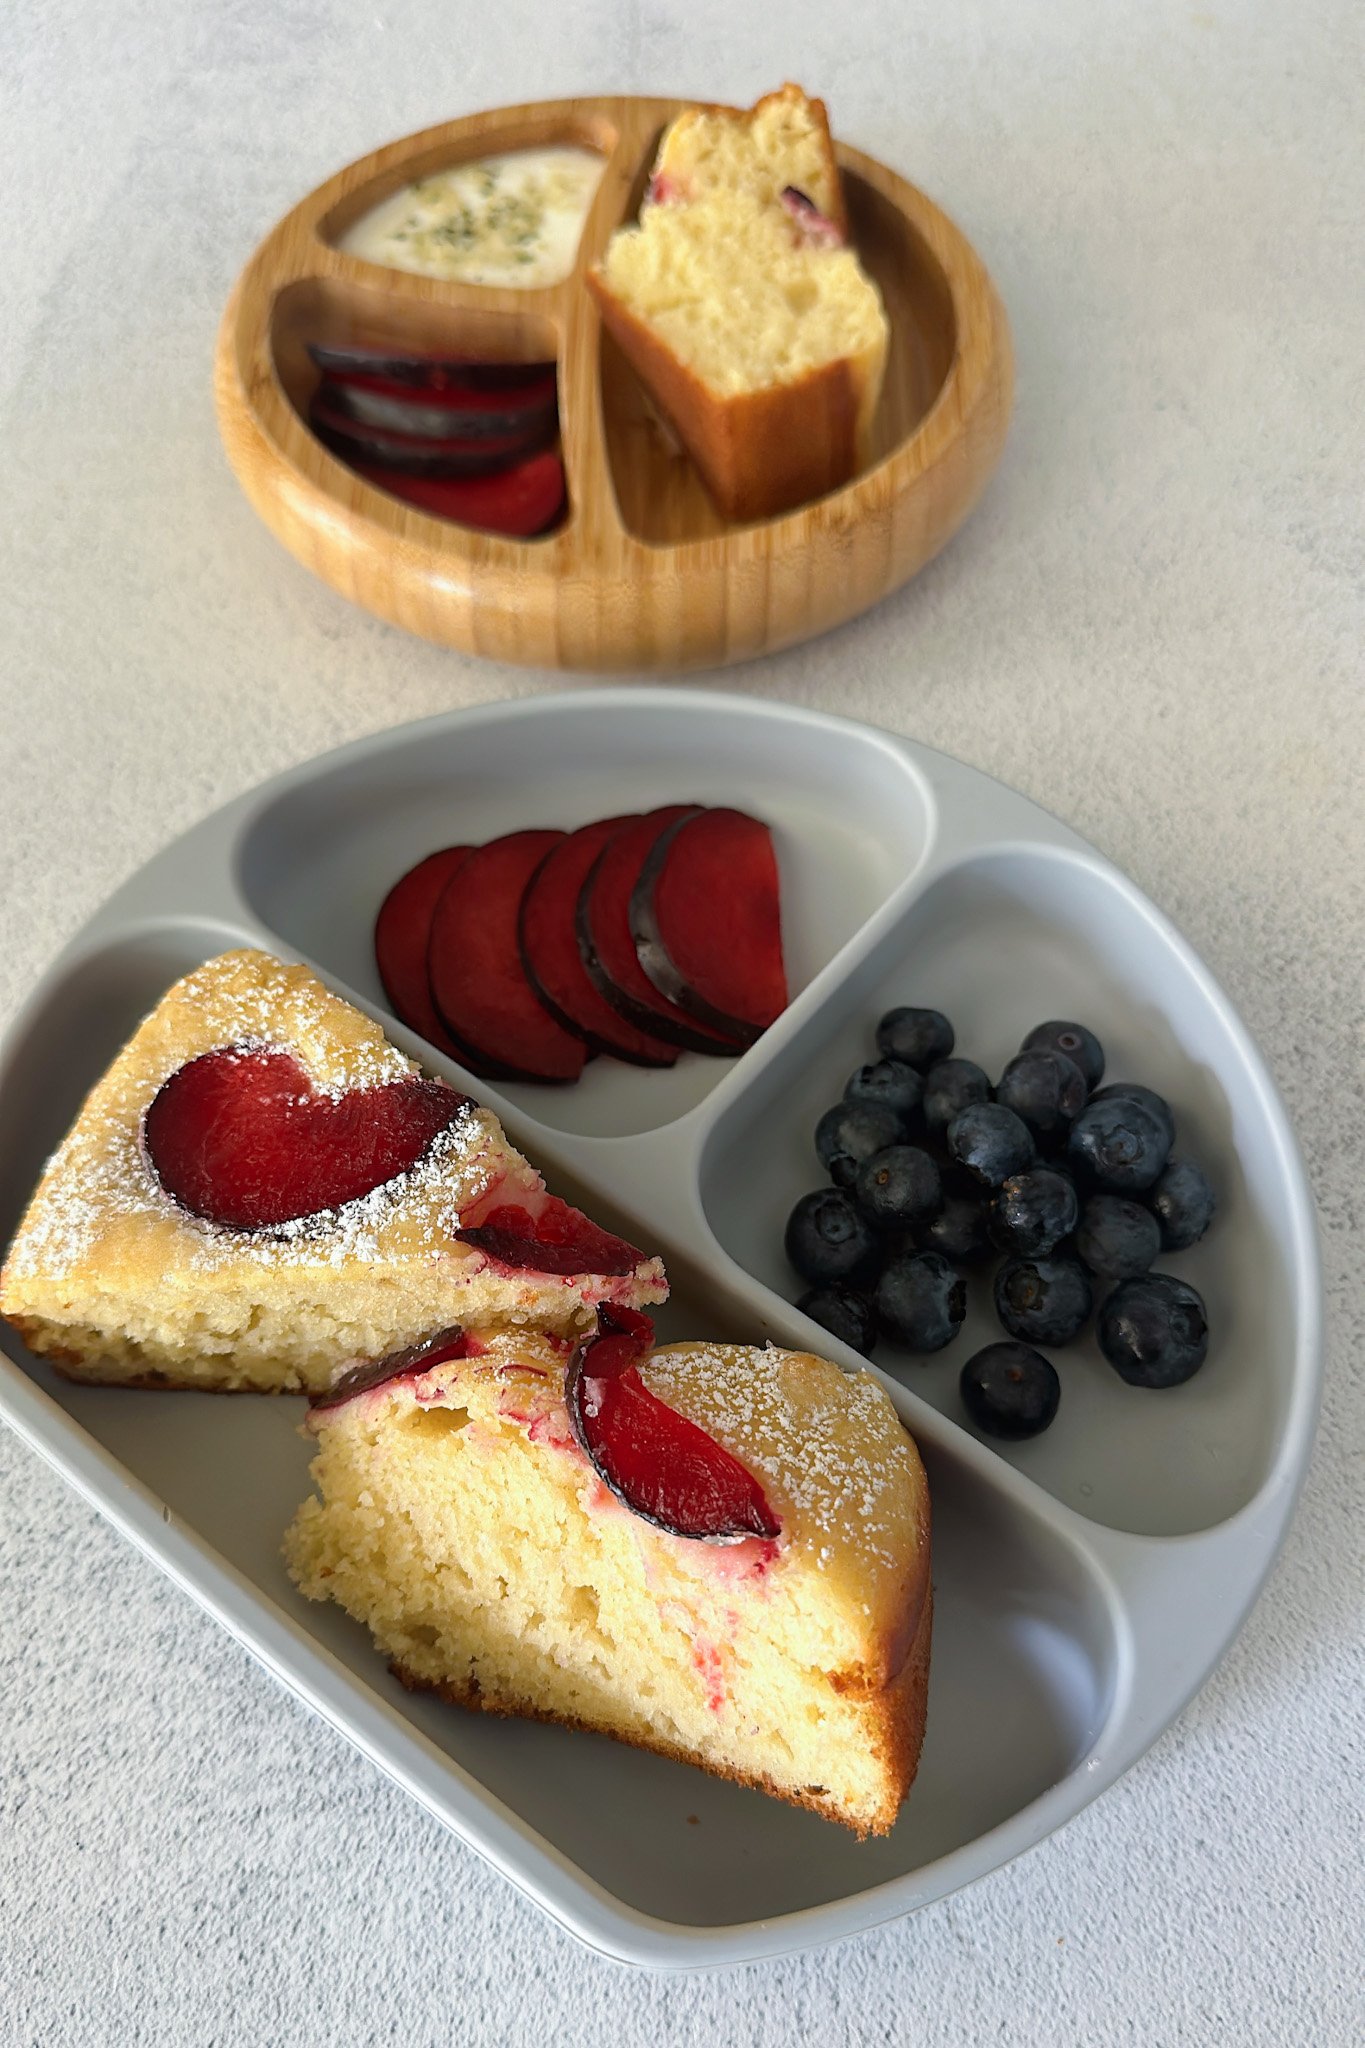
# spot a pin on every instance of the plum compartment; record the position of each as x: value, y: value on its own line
x: 315, y: 863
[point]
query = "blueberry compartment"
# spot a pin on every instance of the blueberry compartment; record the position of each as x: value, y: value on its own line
x: 1001, y: 941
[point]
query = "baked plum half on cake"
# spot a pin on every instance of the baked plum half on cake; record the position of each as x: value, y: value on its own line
x: 715, y: 1552
x: 262, y: 1190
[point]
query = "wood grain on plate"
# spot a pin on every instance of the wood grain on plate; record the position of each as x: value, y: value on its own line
x: 643, y: 574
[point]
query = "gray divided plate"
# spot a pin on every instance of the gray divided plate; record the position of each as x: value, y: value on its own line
x: 1085, y: 1583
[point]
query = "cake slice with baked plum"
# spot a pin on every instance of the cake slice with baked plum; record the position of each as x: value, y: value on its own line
x: 262, y: 1190
x: 716, y: 1552
x: 742, y: 307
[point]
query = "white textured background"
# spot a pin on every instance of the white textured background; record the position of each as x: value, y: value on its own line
x: 1153, y: 626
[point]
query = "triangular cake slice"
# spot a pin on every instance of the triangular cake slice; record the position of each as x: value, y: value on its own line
x: 262, y: 1190
x: 511, y: 1533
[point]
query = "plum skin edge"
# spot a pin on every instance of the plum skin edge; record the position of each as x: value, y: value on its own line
x: 573, y: 1400
x: 673, y: 1030
x: 590, y: 1038
x: 653, y: 954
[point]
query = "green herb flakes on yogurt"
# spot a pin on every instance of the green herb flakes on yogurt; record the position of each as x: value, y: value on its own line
x: 505, y: 220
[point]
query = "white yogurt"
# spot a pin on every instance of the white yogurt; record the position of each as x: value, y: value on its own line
x: 505, y: 220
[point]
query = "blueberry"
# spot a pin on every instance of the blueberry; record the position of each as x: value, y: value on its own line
x: 921, y: 1302
x: 1043, y: 1301
x: 1046, y: 1089
x: 890, y: 1084
x: 1075, y: 1040
x: 844, y: 1312
x: 1034, y: 1210
x: 1116, y: 1238
x: 899, y: 1187
x: 1118, y: 1144
x: 919, y: 1037
x: 1156, y: 1105
x: 850, y: 1133
x: 829, y: 1238
x: 1154, y: 1331
x: 1184, y: 1204
x: 950, y: 1087
x: 1010, y: 1390
x: 959, y: 1229
x: 991, y: 1142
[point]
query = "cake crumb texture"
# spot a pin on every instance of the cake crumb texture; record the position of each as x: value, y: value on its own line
x: 456, y: 1517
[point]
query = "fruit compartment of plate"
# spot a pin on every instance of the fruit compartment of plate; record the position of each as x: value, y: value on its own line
x: 1083, y: 1582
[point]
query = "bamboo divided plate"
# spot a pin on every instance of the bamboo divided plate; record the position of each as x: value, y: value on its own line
x: 643, y: 573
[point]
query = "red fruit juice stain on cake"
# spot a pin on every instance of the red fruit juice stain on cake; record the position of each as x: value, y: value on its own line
x: 557, y: 1239
x: 241, y: 1137
x: 415, y: 1358
x: 660, y: 1464
x: 707, y: 1662
x: 814, y: 227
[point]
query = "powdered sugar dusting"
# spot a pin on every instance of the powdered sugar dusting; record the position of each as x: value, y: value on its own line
x: 842, y: 1470
x: 100, y: 1200
x: 828, y: 1443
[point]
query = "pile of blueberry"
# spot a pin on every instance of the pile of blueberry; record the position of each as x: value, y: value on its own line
x: 935, y: 1170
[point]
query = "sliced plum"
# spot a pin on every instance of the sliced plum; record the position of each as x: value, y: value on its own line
x: 548, y: 937
x: 460, y: 412
x: 607, y: 946
x: 401, y: 934
x: 425, y: 455
x: 401, y: 931
x: 377, y: 1372
x: 661, y: 1465
x: 519, y: 502
x: 556, y: 1239
x: 240, y: 1137
x: 420, y: 372
x: 705, y: 916
x: 478, y: 984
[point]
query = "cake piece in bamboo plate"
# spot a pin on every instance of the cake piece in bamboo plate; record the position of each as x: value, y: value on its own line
x: 743, y: 309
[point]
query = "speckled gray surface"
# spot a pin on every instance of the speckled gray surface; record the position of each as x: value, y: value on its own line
x: 1154, y: 626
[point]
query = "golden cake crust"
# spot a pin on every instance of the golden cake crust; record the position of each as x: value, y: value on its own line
x: 759, y: 452
x: 895, y: 1734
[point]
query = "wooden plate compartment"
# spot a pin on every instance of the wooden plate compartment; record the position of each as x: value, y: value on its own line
x: 642, y: 573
